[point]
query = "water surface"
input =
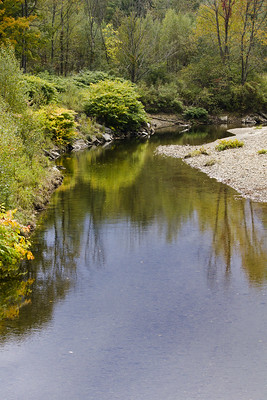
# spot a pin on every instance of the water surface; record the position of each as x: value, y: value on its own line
x: 150, y: 284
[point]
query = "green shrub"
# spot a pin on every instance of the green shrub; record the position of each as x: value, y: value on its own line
x: 262, y: 151
x: 58, y: 82
x: 196, y: 113
x: 229, y: 144
x: 161, y: 98
x: 115, y: 104
x: 40, y: 91
x: 14, y: 246
x: 59, y: 124
x: 85, y: 77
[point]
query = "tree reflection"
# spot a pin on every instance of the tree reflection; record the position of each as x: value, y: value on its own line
x: 138, y: 186
x: 235, y: 230
x: 14, y: 294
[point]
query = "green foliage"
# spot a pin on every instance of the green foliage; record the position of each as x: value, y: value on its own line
x: 205, y: 83
x: 176, y: 39
x: 85, y: 77
x: 262, y: 151
x: 196, y: 113
x: 14, y: 246
x: 59, y: 124
x: 115, y: 104
x: 12, y: 85
x: 72, y: 97
x: 58, y: 82
x: 21, y: 160
x: 210, y: 84
x: 229, y: 144
x: 161, y: 98
x: 40, y: 91
x: 251, y: 95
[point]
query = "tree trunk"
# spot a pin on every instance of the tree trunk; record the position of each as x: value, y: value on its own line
x: 24, y: 12
x: 53, y: 33
x: 61, y: 39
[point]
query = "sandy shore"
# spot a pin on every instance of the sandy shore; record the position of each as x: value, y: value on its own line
x: 242, y: 168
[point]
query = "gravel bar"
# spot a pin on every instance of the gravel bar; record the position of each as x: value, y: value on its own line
x: 243, y: 168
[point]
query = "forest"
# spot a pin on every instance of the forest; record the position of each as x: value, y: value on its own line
x: 67, y: 64
x: 209, y: 53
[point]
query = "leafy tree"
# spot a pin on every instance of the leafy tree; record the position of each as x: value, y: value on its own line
x: 176, y: 40
x: 12, y: 86
x: 17, y: 28
x: 237, y: 26
x: 133, y: 45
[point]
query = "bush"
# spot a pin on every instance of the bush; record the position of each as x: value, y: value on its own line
x: 85, y: 77
x: 14, y: 246
x: 229, y: 144
x: 196, y: 113
x: 40, y: 91
x: 163, y: 98
x: 115, y: 104
x: 59, y: 124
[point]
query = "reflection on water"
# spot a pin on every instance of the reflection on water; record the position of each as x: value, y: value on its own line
x: 135, y: 248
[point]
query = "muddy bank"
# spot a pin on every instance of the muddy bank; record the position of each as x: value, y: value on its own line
x: 243, y: 168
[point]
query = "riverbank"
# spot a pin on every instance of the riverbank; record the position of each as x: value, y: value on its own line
x: 243, y: 168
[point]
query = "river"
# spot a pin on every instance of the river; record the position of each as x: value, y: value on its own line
x: 150, y: 284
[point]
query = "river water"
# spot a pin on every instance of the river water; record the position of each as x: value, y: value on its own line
x: 150, y: 284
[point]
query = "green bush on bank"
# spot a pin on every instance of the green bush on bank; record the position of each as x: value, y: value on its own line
x: 59, y: 124
x: 40, y: 91
x: 115, y: 104
x: 161, y: 98
x: 197, y: 113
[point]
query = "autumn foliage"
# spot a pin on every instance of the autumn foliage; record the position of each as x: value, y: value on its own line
x: 14, y: 245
